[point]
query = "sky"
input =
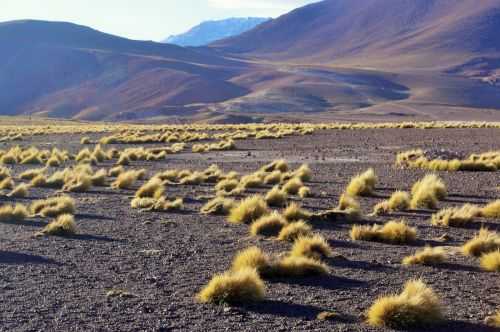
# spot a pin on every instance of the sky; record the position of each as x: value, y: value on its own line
x: 142, y: 19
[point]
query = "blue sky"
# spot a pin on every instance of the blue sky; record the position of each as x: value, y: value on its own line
x: 142, y: 19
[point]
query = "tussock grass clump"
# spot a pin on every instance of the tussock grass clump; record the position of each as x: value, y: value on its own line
x: 298, y: 266
x: 350, y: 206
x: 164, y: 205
x: 248, y: 210
x: 295, y: 230
x: 491, y: 210
x: 4, y: 173
x: 13, y: 213
x: 276, y: 197
x: 226, y: 185
x: 81, y: 182
x: 490, y: 261
x: 304, y: 192
x: 427, y: 192
x: 254, y: 180
x: 393, y: 232
x: 399, y: 201
x: 85, y: 140
x: 241, y: 286
x: 53, y: 207
x: 116, y: 171
x: 98, y: 179
x: 485, y: 241
x: 7, y: 183
x: 416, y: 306
x: 277, y: 165
x: 294, y: 212
x: 273, y: 177
x: 63, y: 225
x: 303, y: 172
x: 142, y: 203
x: 293, y: 186
x: 315, y: 247
x: 494, y: 320
x: 125, y: 180
x: 20, y: 191
x: 30, y: 174
x: 154, y: 188
x: 218, y: 205
x: 455, y: 216
x: 253, y: 258
x: 268, y: 225
x: 426, y: 256
x: 362, y: 184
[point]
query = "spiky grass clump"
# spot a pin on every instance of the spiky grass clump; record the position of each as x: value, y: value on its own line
x: 227, y: 185
x: 98, y: 179
x: 218, y: 205
x: 298, y: 266
x: 490, y: 261
x: 30, y: 174
x: 63, y: 225
x: 294, y: 212
x: 20, y: 191
x: 494, y: 320
x: 485, y: 241
x: 304, y: 192
x: 315, y: 247
x: 277, y: 165
x: 399, y: 201
x: 7, y: 183
x: 54, y: 206
x: 268, y: 225
x: 492, y: 210
x: 276, y: 197
x: 4, y: 173
x: 273, y: 177
x: 350, y: 206
x: 142, y: 203
x: 362, y: 184
x: 427, y: 192
x: 293, y: 186
x: 248, y: 210
x: 253, y: 258
x: 81, y: 182
x: 164, y: 205
x: 455, y: 216
x: 303, y: 172
x: 125, y: 180
x: 426, y: 256
x: 295, y: 230
x: 13, y: 213
x: 416, y: 306
x: 241, y: 286
x: 393, y: 232
x: 116, y: 171
x: 154, y: 188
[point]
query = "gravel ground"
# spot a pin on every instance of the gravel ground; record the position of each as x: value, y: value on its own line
x: 60, y: 284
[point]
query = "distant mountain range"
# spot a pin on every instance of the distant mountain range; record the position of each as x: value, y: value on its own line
x: 210, y: 31
x: 389, y: 59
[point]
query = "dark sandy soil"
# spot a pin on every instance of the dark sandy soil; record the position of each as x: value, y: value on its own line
x: 60, y: 284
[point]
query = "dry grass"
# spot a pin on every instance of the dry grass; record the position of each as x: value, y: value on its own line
x: 293, y: 186
x: 303, y: 172
x: 125, y: 180
x: 253, y: 258
x: 7, y: 184
x: 274, y: 177
x: 154, y: 188
x: 116, y: 171
x: 304, y: 192
x: 416, y: 306
x: 494, y: 320
x: 399, y: 201
x: 226, y: 185
x: 268, y: 225
x: 53, y: 207
x: 294, y: 230
x: 81, y: 182
x: 491, y: 210
x: 98, y: 179
x: 298, y: 266
x: 484, y: 242
x: 4, y: 173
x: 13, y: 213
x: 362, y: 184
x: 276, y: 197
x: 277, y: 165
x: 20, y: 191
x: 142, y: 203
x: 248, y: 210
x: 218, y: 205
x: 427, y: 192
x: 455, y: 216
x: 63, y: 225
x: 393, y: 232
x: 350, y: 206
x: 294, y: 212
x: 239, y: 286
x: 490, y: 261
x: 426, y: 256
x: 164, y: 205
x: 315, y: 247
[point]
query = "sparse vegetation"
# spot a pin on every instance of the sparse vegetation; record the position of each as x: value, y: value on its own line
x: 294, y: 230
x: 314, y: 247
x: 362, y: 184
x: 63, y: 225
x: 399, y: 201
x: 276, y: 197
x: 394, y: 232
x: 427, y: 192
x: 484, y: 242
x: 490, y: 261
x: 248, y: 210
x: 268, y: 225
x: 426, y: 256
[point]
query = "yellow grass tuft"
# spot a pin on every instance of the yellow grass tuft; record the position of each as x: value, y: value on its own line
x: 248, y: 210
x: 399, y: 201
x: 125, y: 180
x: 253, y: 258
x: 164, y: 205
x: 294, y: 212
x: 20, y: 191
x: 485, y: 241
x: 427, y: 192
x: 394, y: 232
x: 268, y: 225
x: 315, y: 247
x: 490, y: 261
x: 277, y: 165
x: 491, y: 210
x: 218, y: 205
x: 304, y: 173
x: 304, y: 192
x: 53, y: 207
x: 494, y: 320
x: 295, y: 230
x: 362, y: 184
x: 7, y: 183
x: 81, y: 182
x: 276, y: 197
x: 226, y: 185
x: 115, y: 171
x: 293, y: 186
x: 273, y: 177
x: 455, y: 216
x: 61, y: 226
x: 349, y: 205
x: 13, y: 213
x: 154, y: 188
x: 240, y: 286
x: 416, y: 306
x: 298, y: 266
x: 142, y: 203
x: 426, y: 256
